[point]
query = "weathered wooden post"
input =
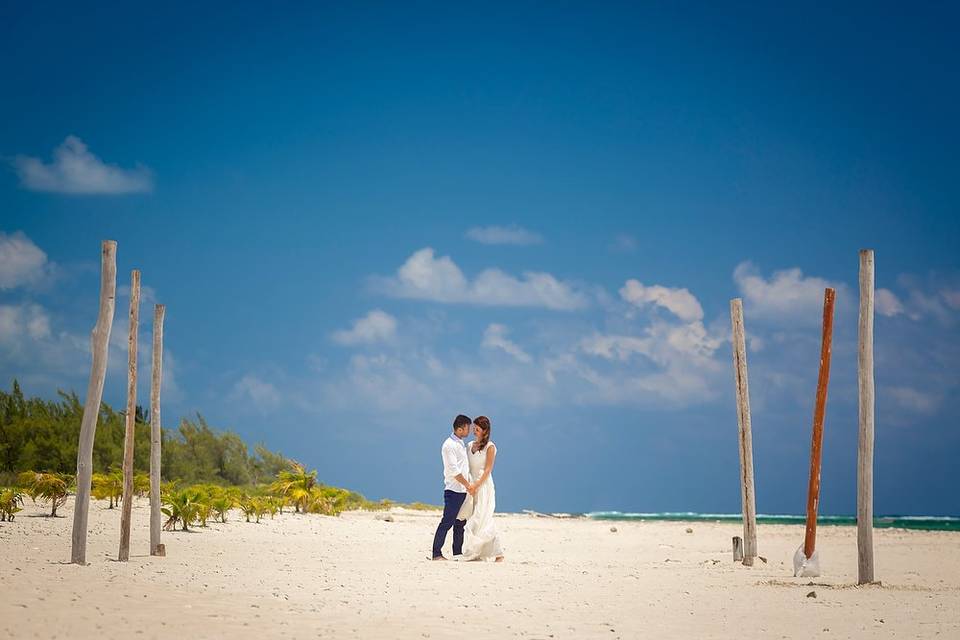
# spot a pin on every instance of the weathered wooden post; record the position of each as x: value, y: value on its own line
x: 747, y: 497
x: 131, y: 417
x: 99, y: 343
x: 865, y: 446
x: 816, y: 447
x: 155, y: 433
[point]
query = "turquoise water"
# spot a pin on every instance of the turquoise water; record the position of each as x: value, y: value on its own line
x: 925, y: 523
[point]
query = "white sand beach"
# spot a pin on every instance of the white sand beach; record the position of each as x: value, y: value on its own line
x: 359, y: 576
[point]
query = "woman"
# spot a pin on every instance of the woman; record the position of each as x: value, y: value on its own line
x: 481, y: 540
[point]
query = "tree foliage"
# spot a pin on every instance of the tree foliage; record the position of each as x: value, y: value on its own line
x: 37, y: 434
x: 205, y: 472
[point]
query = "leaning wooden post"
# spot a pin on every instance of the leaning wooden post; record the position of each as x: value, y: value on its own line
x: 99, y: 343
x: 155, y: 437
x: 865, y: 447
x: 131, y: 417
x: 816, y: 447
x: 747, y: 497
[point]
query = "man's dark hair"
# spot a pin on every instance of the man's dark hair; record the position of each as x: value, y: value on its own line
x: 461, y: 421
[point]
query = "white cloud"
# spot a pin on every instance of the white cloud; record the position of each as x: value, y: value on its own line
x: 262, y: 393
x: 886, y: 303
x: 22, y: 263
x: 504, y: 235
x: 914, y: 400
x: 376, y: 326
x: 31, y: 349
x: 921, y: 305
x: 669, y: 362
x: 75, y: 170
x: 381, y: 381
x: 680, y: 302
x: 663, y: 343
x: 787, y: 294
x: 624, y: 243
x: 21, y: 322
x: 952, y: 296
x: 495, y: 337
x: 930, y: 297
x: 615, y: 347
x: 426, y: 277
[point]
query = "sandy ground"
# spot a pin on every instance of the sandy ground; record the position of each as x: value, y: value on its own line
x: 357, y: 576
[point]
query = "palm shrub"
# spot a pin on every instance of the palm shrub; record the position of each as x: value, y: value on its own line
x: 248, y: 506
x: 46, y: 487
x: 317, y: 502
x: 108, y: 486
x: 204, y: 509
x: 204, y: 495
x: 221, y: 505
x: 141, y: 484
x: 295, y: 484
x: 180, y: 506
x: 10, y: 501
x: 255, y: 506
x: 275, y: 505
x: 261, y: 507
x: 339, y: 500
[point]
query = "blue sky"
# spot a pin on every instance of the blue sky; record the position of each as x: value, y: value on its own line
x: 365, y: 220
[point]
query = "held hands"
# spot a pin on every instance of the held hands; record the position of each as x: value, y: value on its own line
x: 472, y: 489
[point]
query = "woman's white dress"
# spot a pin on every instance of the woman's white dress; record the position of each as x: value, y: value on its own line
x: 481, y: 540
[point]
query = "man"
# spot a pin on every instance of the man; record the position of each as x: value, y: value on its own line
x: 456, y: 473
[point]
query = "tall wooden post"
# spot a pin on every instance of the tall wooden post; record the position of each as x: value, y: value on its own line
x: 813, y: 489
x: 99, y: 343
x: 131, y: 417
x: 865, y: 446
x: 158, y: 312
x: 747, y: 497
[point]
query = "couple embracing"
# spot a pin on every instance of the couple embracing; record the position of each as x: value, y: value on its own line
x: 469, y: 497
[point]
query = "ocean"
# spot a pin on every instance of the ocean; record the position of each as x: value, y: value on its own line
x: 925, y: 523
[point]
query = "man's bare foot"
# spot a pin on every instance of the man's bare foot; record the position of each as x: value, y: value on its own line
x: 498, y: 559
x: 438, y: 558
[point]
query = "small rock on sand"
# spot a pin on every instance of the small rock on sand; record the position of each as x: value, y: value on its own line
x: 812, y: 594
x: 689, y: 530
x: 613, y: 529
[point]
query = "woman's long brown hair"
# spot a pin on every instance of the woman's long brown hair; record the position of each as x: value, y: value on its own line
x: 484, y: 423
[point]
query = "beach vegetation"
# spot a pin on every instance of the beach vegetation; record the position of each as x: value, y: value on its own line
x: 221, y: 506
x: 44, y: 434
x: 107, y: 486
x: 141, y: 484
x: 206, y: 472
x: 11, y: 501
x: 46, y: 487
x: 181, y: 506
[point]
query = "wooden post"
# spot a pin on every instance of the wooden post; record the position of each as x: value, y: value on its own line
x: 737, y: 548
x: 155, y: 438
x: 813, y: 489
x: 865, y: 446
x: 99, y: 343
x: 747, y: 498
x: 131, y: 417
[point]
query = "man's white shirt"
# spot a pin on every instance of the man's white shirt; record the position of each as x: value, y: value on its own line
x: 454, y: 454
